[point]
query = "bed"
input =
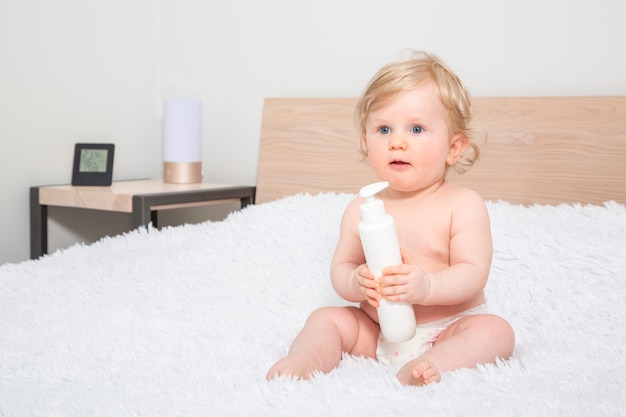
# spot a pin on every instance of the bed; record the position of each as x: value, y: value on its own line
x: 185, y: 321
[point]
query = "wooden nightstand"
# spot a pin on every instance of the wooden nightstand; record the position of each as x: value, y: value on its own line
x: 143, y: 199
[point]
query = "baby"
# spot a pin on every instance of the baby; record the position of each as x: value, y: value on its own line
x: 414, y: 121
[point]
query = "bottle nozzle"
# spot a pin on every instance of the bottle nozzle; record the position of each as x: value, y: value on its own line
x: 369, y: 191
x: 372, y: 209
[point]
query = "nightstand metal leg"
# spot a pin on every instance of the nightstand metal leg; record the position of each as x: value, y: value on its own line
x: 246, y: 201
x: 38, y: 225
x: 142, y: 215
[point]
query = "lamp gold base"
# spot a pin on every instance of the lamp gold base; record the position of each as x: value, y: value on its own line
x: 182, y: 172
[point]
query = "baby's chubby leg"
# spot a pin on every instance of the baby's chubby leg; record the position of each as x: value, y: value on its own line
x: 470, y: 341
x: 327, y: 333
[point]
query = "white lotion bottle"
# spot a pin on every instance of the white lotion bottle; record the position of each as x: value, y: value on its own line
x: 380, y: 246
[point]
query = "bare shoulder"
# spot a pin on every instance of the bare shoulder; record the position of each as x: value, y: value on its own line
x: 354, y: 203
x: 467, y: 205
x: 352, y: 213
x: 463, y: 196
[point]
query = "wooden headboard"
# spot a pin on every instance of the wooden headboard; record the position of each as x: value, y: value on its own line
x: 545, y: 150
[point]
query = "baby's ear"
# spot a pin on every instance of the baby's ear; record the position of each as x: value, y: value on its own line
x: 363, y: 144
x: 458, y: 145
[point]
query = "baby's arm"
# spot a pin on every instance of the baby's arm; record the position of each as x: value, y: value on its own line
x: 350, y: 277
x: 470, y: 261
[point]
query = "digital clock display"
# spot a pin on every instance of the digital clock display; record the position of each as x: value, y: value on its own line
x: 93, y: 160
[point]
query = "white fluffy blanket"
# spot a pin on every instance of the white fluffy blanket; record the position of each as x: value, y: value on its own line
x: 186, y: 321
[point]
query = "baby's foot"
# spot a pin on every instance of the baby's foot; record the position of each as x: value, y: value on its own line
x: 419, y: 372
x: 289, y: 366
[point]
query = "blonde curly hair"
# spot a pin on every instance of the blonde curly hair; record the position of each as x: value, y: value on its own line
x: 409, y: 73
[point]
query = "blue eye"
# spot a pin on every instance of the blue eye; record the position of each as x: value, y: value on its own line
x: 417, y: 129
x: 384, y: 130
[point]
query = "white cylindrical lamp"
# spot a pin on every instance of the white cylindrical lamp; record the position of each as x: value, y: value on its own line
x: 182, y: 141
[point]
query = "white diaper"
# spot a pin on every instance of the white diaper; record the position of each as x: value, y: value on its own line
x: 425, y: 336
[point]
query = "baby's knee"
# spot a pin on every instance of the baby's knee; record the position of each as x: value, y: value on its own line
x: 330, y: 314
x: 345, y: 319
x: 503, y: 334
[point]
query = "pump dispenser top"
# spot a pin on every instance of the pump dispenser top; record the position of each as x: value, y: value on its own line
x: 372, y: 210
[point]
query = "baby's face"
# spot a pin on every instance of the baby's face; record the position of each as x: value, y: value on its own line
x: 408, y: 140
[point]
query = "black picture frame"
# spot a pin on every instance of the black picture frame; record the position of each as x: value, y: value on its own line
x: 93, y: 164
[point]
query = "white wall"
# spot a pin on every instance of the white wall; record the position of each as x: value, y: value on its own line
x: 98, y: 71
x: 72, y: 71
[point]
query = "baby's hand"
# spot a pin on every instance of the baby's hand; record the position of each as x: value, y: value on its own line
x: 368, y: 285
x: 407, y: 283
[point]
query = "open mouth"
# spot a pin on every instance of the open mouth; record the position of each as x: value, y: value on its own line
x: 399, y: 163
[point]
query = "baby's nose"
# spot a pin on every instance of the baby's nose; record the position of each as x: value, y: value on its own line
x: 397, y: 141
